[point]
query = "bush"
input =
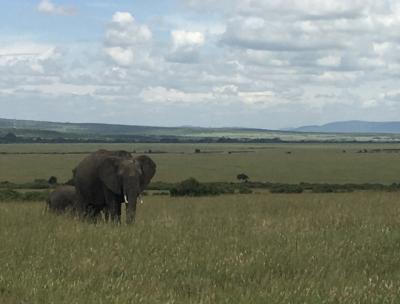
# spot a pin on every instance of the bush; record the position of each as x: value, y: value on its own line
x: 52, y: 180
x: 242, y: 177
x: 12, y: 195
x: 245, y: 190
x: 34, y: 196
x: 9, y: 195
x: 286, y: 188
x: 160, y: 193
x: 160, y: 186
x: 192, y: 187
x: 332, y: 188
x: 37, y: 184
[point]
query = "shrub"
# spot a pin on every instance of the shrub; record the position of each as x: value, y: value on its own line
x: 192, y: 187
x: 52, y: 180
x: 332, y: 188
x: 9, y: 195
x: 245, y: 190
x: 34, y: 196
x: 160, y: 186
x: 38, y: 184
x: 242, y: 177
x: 12, y: 195
x: 286, y: 188
x: 160, y: 193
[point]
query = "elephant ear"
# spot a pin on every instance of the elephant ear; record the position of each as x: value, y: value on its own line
x: 108, y: 173
x: 148, y: 169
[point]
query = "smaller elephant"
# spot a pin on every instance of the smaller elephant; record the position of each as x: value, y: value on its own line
x: 63, y: 199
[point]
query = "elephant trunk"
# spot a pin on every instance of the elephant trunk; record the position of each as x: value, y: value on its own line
x: 131, y: 201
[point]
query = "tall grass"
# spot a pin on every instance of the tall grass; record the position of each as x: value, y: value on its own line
x: 265, y: 248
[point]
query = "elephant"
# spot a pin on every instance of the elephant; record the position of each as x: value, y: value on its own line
x: 62, y: 199
x: 106, y: 179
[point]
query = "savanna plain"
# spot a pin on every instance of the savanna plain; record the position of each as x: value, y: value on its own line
x: 236, y: 248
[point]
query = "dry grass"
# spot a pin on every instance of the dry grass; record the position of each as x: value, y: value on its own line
x: 309, y: 248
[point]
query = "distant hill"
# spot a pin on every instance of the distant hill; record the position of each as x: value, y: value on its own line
x: 45, y: 131
x: 113, y: 129
x: 353, y: 126
x: 30, y: 131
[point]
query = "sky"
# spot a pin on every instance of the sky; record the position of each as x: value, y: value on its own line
x: 228, y: 63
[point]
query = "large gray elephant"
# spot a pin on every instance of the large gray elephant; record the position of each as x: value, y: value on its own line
x: 62, y: 199
x: 106, y: 179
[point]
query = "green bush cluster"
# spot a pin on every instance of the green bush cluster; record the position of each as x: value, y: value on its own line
x: 36, y: 184
x: 192, y: 187
x: 286, y: 188
x: 12, y: 195
x: 160, y: 186
x: 245, y: 190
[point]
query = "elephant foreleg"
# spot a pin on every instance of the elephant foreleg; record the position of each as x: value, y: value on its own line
x: 113, y: 206
x: 116, y: 212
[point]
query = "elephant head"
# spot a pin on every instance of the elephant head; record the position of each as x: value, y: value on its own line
x: 126, y: 178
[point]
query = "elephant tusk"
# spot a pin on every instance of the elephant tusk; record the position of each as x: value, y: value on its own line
x: 141, y: 199
x: 125, y: 199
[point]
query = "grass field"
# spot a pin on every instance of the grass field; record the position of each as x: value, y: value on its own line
x: 259, y: 248
x: 305, y: 163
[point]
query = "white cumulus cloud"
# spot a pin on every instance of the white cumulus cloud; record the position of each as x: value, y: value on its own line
x: 48, y: 7
x: 125, y: 39
x: 185, y: 46
x: 122, y: 56
x: 187, y: 39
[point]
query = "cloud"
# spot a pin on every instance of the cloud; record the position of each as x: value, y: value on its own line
x: 48, y: 7
x: 168, y: 95
x: 122, y: 56
x: 183, y: 39
x: 125, y: 31
x: 269, y: 61
x: 123, y: 18
x: 27, y: 58
x: 126, y: 40
x: 185, y: 46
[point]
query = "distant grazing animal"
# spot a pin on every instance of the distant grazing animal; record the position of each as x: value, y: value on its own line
x: 106, y: 179
x: 62, y: 199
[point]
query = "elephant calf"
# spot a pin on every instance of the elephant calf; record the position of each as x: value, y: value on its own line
x: 62, y: 199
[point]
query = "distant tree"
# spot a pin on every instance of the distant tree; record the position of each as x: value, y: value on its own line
x: 52, y: 180
x: 197, y: 151
x: 242, y: 177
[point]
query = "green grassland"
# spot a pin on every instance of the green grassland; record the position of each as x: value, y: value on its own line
x: 260, y: 248
x: 257, y: 248
x: 261, y: 162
